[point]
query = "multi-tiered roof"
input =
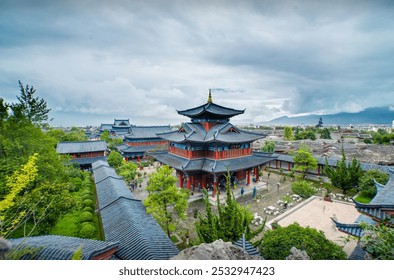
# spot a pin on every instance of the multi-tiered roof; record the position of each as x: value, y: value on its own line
x: 204, y: 144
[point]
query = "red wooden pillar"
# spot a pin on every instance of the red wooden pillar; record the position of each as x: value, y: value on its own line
x: 276, y: 164
x: 248, y: 177
x: 318, y: 170
x: 204, y: 182
x: 215, y: 184
x: 188, y: 183
x: 180, y: 180
x: 288, y: 166
x: 138, y: 159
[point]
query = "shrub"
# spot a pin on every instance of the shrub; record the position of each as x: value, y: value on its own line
x: 277, y: 243
x: 87, y: 231
x: 367, y: 185
x: 87, y: 191
x: 88, y: 202
x: 86, y: 196
x: 303, y: 189
x: 86, y: 217
x: 87, y: 209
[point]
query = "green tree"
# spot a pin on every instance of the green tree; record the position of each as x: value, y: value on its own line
x: 288, y: 134
x: 306, y: 134
x: 325, y: 133
x: 344, y: 176
x: 378, y: 241
x: 277, y: 243
x: 111, y: 142
x: 229, y: 224
x: 16, y: 183
x: 166, y: 202
x: 269, y: 147
x: 304, y: 161
x: 32, y: 108
x: 77, y: 254
x: 367, y: 184
x: 128, y: 171
x: 115, y: 159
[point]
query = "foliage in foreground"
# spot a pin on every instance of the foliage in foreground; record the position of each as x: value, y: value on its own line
x: 378, y: 241
x: 229, y: 224
x: 166, y: 202
x: 277, y: 243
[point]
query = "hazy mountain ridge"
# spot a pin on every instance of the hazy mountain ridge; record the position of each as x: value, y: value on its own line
x: 375, y: 115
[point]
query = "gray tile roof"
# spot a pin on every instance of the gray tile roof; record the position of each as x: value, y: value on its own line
x: 211, y: 110
x: 358, y: 253
x: 140, y: 236
x: 54, y: 247
x: 121, y: 123
x: 125, y: 220
x: 249, y: 248
x: 110, y: 189
x: 81, y: 147
x: 333, y: 162
x: 210, y: 165
x: 225, y: 133
x: 102, y: 172
x: 146, y: 132
x: 105, y: 126
x: 85, y: 161
x: 125, y: 149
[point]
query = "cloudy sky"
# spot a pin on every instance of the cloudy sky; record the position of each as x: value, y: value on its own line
x: 94, y: 61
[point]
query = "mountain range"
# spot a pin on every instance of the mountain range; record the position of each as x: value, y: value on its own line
x: 375, y: 115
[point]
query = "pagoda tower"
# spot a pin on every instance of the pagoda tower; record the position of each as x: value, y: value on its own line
x: 204, y: 150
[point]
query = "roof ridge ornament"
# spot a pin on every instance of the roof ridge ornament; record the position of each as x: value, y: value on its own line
x: 210, y: 97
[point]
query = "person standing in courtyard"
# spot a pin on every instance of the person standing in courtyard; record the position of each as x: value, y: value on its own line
x: 254, y: 192
x: 242, y: 191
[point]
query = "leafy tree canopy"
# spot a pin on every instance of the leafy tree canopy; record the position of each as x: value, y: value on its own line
x: 269, y: 147
x: 166, y: 202
x: 304, y: 160
x: 277, y: 243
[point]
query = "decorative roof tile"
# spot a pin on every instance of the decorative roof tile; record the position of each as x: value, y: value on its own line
x: 81, y: 147
x: 55, y: 247
x: 146, y: 132
x: 210, y: 111
x: 125, y: 220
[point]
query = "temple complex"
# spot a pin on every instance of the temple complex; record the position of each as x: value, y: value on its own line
x: 204, y: 150
x: 120, y: 127
x: 141, y: 140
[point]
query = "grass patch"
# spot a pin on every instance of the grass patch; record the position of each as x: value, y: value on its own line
x: 363, y: 198
x: 68, y: 225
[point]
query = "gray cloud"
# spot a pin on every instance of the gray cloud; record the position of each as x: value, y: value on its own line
x: 94, y: 60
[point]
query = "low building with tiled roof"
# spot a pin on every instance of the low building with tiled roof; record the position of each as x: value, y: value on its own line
x: 83, y: 152
x: 125, y: 220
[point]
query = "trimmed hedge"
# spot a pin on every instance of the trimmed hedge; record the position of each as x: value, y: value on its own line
x: 86, y: 217
x: 88, y: 231
x: 88, y: 202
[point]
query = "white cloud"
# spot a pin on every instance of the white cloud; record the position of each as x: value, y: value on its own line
x: 145, y: 59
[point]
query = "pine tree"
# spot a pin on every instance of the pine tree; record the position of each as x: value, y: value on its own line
x: 231, y: 221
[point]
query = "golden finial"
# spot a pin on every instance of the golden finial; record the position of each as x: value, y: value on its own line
x: 210, y: 97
